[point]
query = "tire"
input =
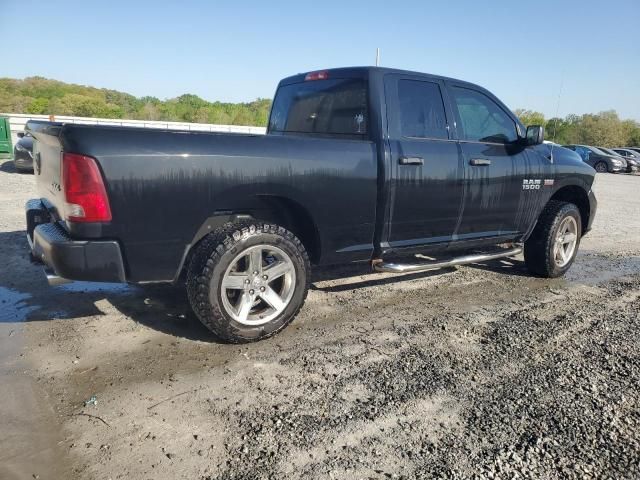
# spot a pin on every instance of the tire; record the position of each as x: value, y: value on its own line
x: 601, y: 167
x: 540, y: 254
x: 228, y: 257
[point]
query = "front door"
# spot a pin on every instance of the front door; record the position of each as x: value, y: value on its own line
x: 500, y: 178
x: 427, y: 173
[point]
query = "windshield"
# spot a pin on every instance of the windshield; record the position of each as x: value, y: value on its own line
x: 605, y: 151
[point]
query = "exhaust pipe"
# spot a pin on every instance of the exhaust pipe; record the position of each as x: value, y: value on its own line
x: 53, y: 279
x: 381, y: 266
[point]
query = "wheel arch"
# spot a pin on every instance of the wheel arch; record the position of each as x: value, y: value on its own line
x: 283, y: 211
x: 579, y: 197
x: 293, y: 216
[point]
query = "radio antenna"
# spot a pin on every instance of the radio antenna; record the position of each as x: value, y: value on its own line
x: 377, y: 57
x: 555, y: 126
x: 555, y: 123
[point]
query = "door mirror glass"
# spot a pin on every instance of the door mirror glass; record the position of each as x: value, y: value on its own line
x: 534, y: 135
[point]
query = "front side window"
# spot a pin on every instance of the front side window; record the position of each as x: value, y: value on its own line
x: 421, y: 110
x: 333, y: 107
x: 481, y: 119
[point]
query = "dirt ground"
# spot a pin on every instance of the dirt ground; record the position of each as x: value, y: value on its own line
x: 474, y: 372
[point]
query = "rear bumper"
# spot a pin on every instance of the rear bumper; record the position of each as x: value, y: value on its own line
x: 86, y: 260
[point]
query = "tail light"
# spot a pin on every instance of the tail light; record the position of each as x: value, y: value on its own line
x: 322, y: 75
x: 85, y: 195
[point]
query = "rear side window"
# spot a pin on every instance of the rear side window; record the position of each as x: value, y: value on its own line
x: 421, y: 110
x: 334, y: 107
x: 482, y: 119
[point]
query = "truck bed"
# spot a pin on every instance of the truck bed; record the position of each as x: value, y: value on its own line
x: 164, y: 185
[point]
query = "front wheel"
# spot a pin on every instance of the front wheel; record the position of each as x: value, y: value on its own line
x: 553, y: 245
x: 601, y: 167
x: 248, y: 281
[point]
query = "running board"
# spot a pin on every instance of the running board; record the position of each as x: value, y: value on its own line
x: 380, y: 265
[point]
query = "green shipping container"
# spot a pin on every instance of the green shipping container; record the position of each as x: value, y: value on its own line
x: 6, y: 148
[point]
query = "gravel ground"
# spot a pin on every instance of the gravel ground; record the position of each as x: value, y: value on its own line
x: 475, y: 372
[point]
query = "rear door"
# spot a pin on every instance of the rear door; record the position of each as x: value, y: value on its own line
x: 501, y: 179
x: 426, y: 194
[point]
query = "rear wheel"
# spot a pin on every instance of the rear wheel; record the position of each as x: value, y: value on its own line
x: 601, y: 167
x: 248, y: 281
x: 553, y: 245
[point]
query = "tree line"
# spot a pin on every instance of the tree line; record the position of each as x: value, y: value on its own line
x: 38, y: 95
x: 604, y: 129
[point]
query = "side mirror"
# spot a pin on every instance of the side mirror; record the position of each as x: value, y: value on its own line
x: 20, y: 134
x: 534, y: 135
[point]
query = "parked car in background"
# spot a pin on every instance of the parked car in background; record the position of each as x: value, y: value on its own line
x: 554, y: 148
x: 633, y: 149
x: 23, y: 153
x: 627, y: 153
x: 599, y: 160
x: 632, y: 164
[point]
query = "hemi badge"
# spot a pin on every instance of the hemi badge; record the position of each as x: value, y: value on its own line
x: 548, y: 182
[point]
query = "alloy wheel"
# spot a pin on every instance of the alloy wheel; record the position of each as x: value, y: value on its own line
x: 258, y: 285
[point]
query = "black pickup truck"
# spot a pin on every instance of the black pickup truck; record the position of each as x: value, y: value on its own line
x: 358, y: 165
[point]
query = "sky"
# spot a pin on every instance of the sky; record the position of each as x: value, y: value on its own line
x: 564, y: 56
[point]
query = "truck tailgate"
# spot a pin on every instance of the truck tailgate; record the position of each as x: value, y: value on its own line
x: 47, y: 151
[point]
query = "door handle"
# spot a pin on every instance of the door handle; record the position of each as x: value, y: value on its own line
x: 479, y: 162
x: 411, y: 161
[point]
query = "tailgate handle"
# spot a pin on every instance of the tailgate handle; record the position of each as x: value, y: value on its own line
x: 479, y: 162
x: 411, y: 161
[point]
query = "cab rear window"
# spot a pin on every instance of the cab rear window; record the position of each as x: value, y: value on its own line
x: 333, y: 107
